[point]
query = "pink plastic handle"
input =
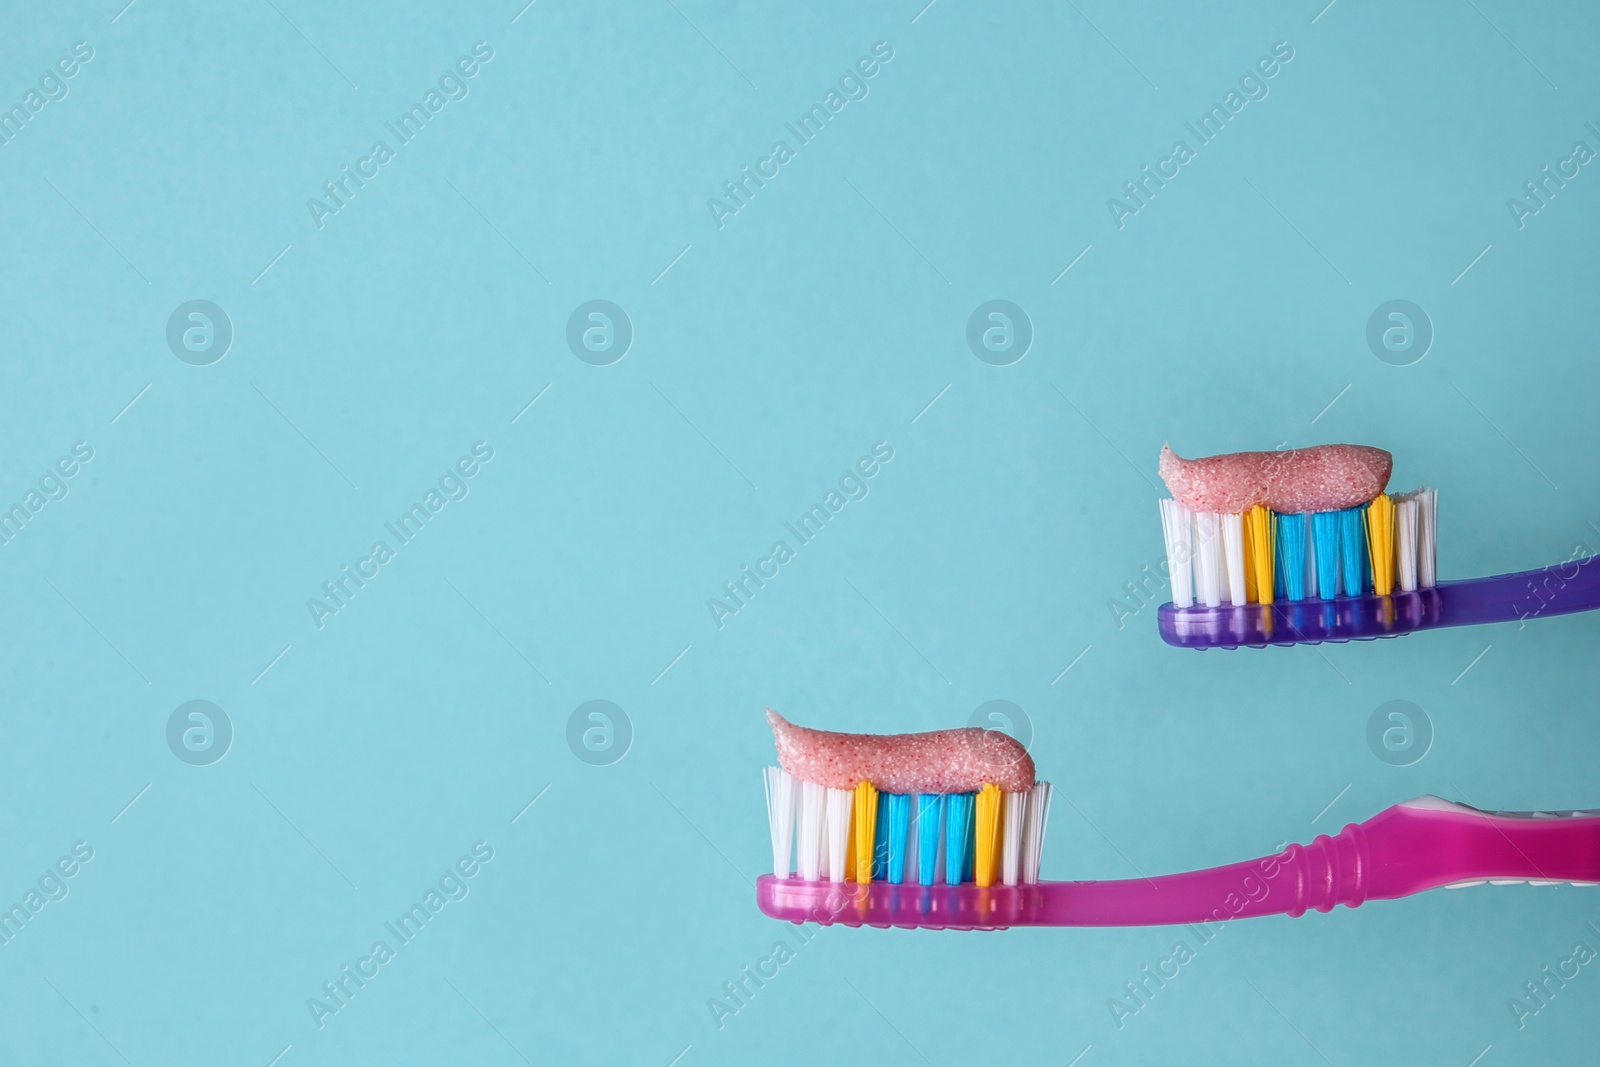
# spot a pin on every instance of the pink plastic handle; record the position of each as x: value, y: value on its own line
x: 1409, y: 848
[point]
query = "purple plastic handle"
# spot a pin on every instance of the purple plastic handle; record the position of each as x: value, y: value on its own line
x: 1406, y: 849
x: 1558, y: 590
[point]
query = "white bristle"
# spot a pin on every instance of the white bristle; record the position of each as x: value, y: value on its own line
x: 1176, y: 527
x: 809, y: 848
x: 825, y: 859
x: 1405, y: 543
x: 1233, y: 553
x: 1427, y: 540
x: 780, y: 816
x: 1035, y: 822
x: 840, y: 802
x: 1207, y: 559
x: 1015, y: 818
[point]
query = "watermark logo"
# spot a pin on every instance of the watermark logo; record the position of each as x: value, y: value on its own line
x: 999, y: 333
x: 52, y: 887
x: 1253, y: 87
x: 853, y: 485
x: 1399, y: 733
x: 599, y: 733
x: 1543, y: 988
x: 1537, y: 193
x: 738, y: 191
x: 52, y: 87
x: 199, y: 333
x: 199, y: 733
x: 453, y: 886
x: 1002, y: 719
x: 52, y: 486
x: 1252, y: 888
x: 1399, y: 333
x: 452, y: 86
x: 599, y: 333
x: 453, y: 485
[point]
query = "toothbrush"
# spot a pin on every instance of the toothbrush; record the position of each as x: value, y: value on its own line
x: 872, y: 880
x: 1304, y: 545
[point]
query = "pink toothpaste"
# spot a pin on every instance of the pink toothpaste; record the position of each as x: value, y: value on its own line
x: 940, y: 761
x: 1323, y: 478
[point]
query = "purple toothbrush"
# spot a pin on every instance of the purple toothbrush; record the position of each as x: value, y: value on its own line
x: 1301, y: 546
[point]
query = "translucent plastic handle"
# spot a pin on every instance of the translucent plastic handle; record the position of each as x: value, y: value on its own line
x: 1558, y: 590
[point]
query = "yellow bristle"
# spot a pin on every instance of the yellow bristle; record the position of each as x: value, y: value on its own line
x: 865, y: 829
x: 986, y: 819
x: 1380, y: 543
x: 1258, y: 552
x: 1249, y: 569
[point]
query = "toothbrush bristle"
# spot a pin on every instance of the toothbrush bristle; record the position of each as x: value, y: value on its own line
x: 1325, y: 549
x: 987, y: 812
x: 839, y: 833
x: 866, y: 830
x: 1292, y: 556
x: 1013, y: 827
x: 930, y: 838
x: 808, y: 850
x: 913, y: 850
x: 1419, y: 550
x: 1037, y: 820
x: 1207, y: 559
x: 958, y: 837
x: 1353, y: 551
x: 1177, y: 528
x: 780, y: 816
x: 1428, y: 526
x: 1260, y: 521
x: 1233, y: 557
x: 1405, y: 543
x: 1262, y: 556
x: 862, y: 835
x: 895, y: 822
x: 1380, y: 543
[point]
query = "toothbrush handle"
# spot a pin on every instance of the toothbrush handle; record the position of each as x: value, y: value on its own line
x: 1557, y: 590
x: 1406, y: 849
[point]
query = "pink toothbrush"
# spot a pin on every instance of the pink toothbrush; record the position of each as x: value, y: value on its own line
x: 1422, y: 844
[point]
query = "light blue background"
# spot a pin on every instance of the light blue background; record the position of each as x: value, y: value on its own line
x: 824, y: 317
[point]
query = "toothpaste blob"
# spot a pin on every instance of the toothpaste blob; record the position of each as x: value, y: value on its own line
x: 1324, y: 478
x: 940, y: 761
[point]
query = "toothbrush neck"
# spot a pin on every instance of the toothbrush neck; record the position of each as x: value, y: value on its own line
x: 1556, y: 590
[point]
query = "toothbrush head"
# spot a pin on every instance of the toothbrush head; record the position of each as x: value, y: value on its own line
x: 939, y: 829
x: 909, y: 906
x: 1295, y: 547
x: 1344, y: 618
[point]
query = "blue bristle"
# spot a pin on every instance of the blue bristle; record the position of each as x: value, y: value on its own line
x: 958, y: 837
x: 1325, y: 546
x: 880, y: 840
x: 1292, y: 556
x: 1353, y: 551
x: 930, y: 825
x: 895, y: 813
